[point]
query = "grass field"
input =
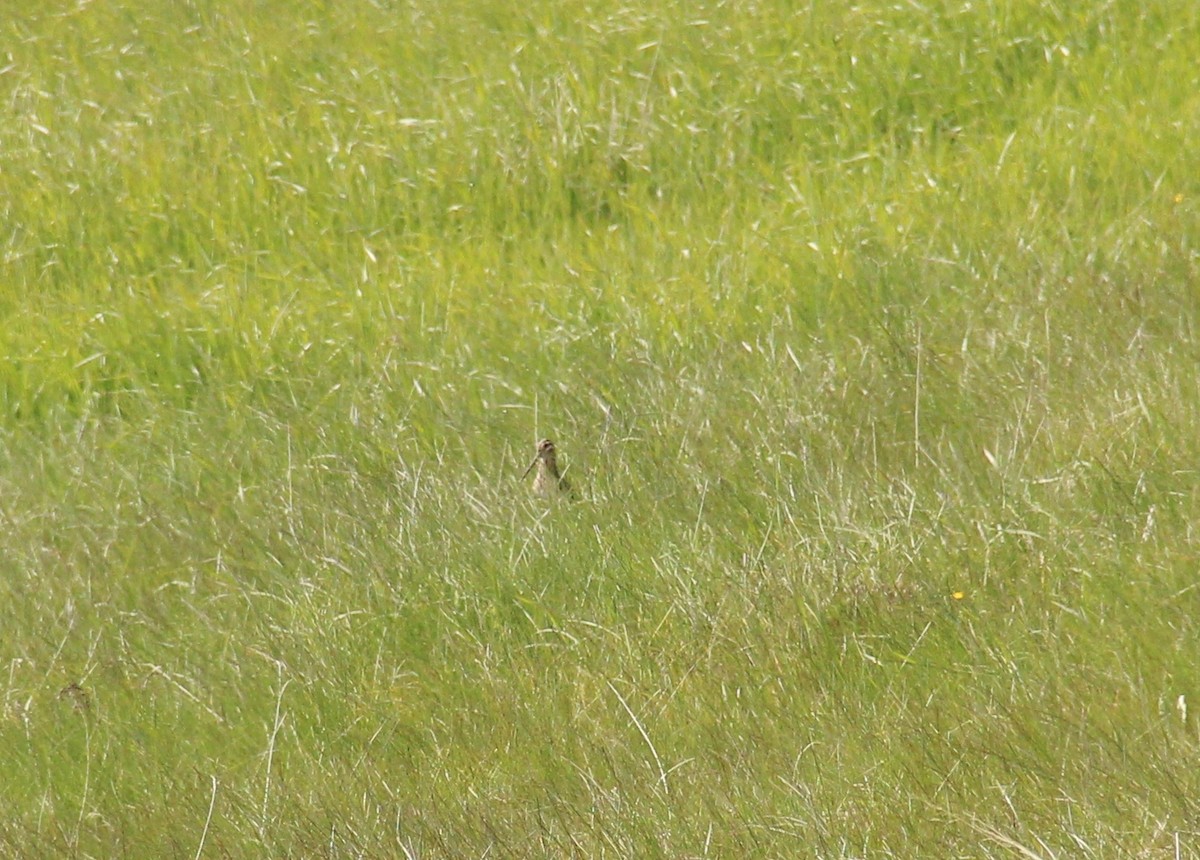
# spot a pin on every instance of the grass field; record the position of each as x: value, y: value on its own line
x: 868, y: 332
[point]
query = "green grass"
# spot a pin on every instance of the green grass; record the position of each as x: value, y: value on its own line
x: 869, y: 332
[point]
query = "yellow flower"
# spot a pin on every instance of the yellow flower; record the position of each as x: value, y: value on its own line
x: 958, y: 595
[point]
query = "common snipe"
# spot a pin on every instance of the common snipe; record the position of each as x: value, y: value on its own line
x: 547, y: 481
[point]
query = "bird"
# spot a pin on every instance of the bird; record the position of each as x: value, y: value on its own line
x: 547, y: 481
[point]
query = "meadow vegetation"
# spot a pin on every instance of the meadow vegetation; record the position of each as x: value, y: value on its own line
x: 867, y: 331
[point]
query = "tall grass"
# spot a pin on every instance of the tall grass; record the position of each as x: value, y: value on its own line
x: 868, y: 332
